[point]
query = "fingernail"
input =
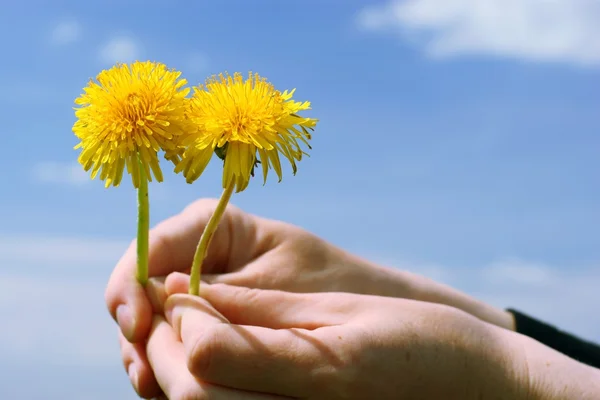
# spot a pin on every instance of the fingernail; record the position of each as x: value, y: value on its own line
x: 125, y: 321
x: 133, y: 376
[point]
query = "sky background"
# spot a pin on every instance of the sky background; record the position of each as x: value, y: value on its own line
x: 457, y: 138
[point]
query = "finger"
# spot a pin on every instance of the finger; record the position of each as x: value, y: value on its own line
x: 178, y: 283
x: 272, y: 308
x: 268, y: 308
x: 277, y: 269
x: 280, y: 361
x: 278, y: 309
x: 137, y: 367
x: 156, y: 294
x: 167, y: 357
x: 172, y: 246
x: 271, y: 270
x: 251, y: 276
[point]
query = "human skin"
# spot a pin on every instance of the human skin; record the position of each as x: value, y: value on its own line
x: 259, y: 343
x: 255, y: 252
x: 251, y: 251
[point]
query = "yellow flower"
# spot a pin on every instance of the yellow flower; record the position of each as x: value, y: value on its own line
x: 245, y: 123
x: 131, y: 112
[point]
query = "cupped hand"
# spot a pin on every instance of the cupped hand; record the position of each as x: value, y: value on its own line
x: 255, y: 252
x: 246, y: 250
x: 338, y: 346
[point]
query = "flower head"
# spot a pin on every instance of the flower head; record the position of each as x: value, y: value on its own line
x: 246, y: 122
x: 130, y: 113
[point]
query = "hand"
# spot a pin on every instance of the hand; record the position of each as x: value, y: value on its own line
x: 341, y: 346
x: 246, y: 250
x: 166, y: 355
x: 251, y: 251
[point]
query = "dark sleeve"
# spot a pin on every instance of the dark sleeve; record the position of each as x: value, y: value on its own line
x: 572, y: 346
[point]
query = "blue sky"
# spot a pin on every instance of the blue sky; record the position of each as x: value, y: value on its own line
x: 457, y: 138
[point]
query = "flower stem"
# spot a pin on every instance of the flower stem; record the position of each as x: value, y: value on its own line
x: 143, y: 227
x: 206, y: 237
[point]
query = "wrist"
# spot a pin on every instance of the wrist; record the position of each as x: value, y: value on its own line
x: 554, y: 376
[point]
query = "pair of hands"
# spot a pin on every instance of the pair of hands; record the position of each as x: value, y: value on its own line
x: 267, y: 325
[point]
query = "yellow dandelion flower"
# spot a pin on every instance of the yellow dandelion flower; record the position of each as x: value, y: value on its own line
x: 246, y: 122
x: 126, y: 117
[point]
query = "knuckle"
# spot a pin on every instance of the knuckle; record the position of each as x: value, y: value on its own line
x: 160, y: 242
x: 248, y: 295
x: 253, y: 297
x: 273, y: 278
x: 234, y: 292
x: 205, y: 350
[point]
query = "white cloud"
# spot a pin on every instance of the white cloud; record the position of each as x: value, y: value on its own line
x: 61, y: 252
x: 57, y: 320
x: 563, y: 296
x: 519, y: 273
x: 66, y: 32
x: 123, y: 49
x: 533, y: 30
x: 60, y: 173
x: 52, y: 302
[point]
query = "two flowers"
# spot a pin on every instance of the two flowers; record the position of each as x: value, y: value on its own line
x: 133, y: 112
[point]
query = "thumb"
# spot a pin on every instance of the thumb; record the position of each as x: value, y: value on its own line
x: 243, y: 306
x: 178, y: 282
x: 277, y: 309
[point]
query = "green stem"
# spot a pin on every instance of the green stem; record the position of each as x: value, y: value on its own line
x: 143, y: 227
x: 206, y: 237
